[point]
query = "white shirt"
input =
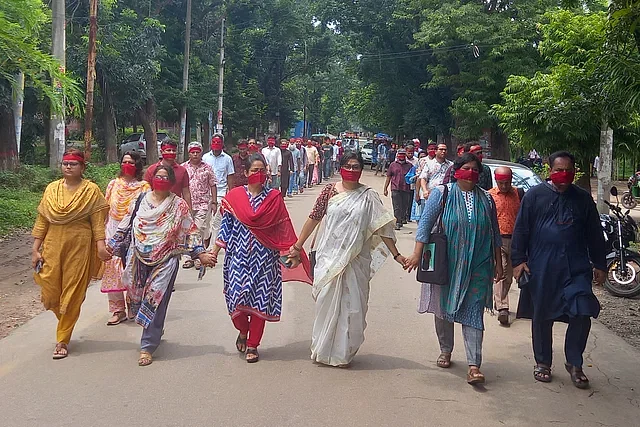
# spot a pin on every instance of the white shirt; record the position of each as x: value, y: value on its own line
x: 222, y: 166
x: 596, y: 163
x: 336, y: 149
x: 434, y: 172
x: 273, y: 156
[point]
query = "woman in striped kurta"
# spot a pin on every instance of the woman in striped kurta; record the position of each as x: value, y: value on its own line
x: 255, y: 229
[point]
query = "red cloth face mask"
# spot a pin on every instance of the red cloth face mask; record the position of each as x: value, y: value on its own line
x: 351, y: 176
x: 128, y: 169
x: 563, y: 177
x: 169, y: 156
x: 253, y: 148
x: 271, y: 143
x: 401, y: 158
x: 432, y: 153
x: 467, y: 175
x: 161, y: 184
x: 257, y: 178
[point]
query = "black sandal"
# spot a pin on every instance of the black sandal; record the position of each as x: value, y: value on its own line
x: 578, y: 378
x: 252, y: 352
x: 241, y: 344
x: 542, y: 373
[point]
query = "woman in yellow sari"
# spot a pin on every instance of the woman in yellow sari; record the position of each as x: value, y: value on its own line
x: 69, y: 246
x: 120, y: 193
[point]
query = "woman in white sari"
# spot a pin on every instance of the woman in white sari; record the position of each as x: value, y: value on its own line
x: 352, y: 244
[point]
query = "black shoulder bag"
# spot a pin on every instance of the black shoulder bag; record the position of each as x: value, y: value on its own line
x: 123, y: 247
x: 434, y: 263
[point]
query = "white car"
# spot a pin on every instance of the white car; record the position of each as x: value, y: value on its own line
x: 367, y: 152
x: 137, y: 144
x: 523, y: 177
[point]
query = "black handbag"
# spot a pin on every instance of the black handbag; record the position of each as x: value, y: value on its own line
x: 123, y: 247
x: 434, y: 262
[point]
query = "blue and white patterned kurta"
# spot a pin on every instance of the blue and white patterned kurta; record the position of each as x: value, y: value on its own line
x: 252, y: 273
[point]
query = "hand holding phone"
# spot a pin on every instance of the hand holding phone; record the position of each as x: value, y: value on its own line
x: 284, y: 260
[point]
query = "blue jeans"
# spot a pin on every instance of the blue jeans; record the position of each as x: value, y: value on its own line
x: 293, y: 183
x: 327, y: 165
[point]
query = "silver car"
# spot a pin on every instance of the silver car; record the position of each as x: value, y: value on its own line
x: 523, y: 177
x: 137, y: 144
x: 367, y: 152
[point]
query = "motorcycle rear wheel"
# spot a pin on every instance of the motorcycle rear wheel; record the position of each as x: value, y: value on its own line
x: 628, y: 201
x: 625, y: 287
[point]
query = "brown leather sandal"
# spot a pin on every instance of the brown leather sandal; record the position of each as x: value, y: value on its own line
x: 253, y: 352
x: 145, y: 359
x: 444, y: 360
x: 61, y: 351
x: 474, y: 376
x: 578, y: 378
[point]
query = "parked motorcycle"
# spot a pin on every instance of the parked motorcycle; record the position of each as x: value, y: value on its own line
x: 628, y: 199
x: 623, y: 264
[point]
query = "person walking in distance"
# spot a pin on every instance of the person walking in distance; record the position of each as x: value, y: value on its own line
x: 558, y: 242
x: 313, y: 158
x: 507, y: 199
x: 273, y: 156
x: 238, y: 163
x: 400, y: 190
x: 169, y: 152
x: 222, y: 165
x: 287, y: 168
x: 204, y: 194
x: 303, y: 166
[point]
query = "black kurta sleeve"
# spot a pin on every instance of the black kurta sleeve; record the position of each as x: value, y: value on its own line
x: 522, y: 231
x: 595, y: 237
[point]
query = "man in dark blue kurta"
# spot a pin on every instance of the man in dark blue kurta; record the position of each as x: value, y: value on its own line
x: 559, y: 241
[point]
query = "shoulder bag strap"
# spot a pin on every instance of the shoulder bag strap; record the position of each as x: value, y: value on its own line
x: 443, y: 203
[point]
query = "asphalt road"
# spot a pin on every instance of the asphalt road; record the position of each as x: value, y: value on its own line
x: 198, y: 378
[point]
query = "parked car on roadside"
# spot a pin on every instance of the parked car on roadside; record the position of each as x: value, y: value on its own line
x: 523, y: 177
x: 136, y: 143
x: 367, y: 152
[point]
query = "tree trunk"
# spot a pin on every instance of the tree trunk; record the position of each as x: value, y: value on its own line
x: 108, y: 120
x: 606, y: 159
x: 9, y: 159
x: 147, y: 115
x: 500, y: 145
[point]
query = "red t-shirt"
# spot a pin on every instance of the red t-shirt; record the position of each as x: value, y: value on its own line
x: 182, y: 177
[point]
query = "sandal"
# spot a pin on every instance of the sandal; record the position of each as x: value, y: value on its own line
x: 241, y: 343
x: 444, y: 360
x: 578, y: 378
x: 61, y: 351
x: 188, y: 264
x: 254, y: 353
x: 503, y: 317
x: 197, y: 264
x: 117, y: 318
x: 474, y: 376
x: 542, y: 373
x: 145, y: 359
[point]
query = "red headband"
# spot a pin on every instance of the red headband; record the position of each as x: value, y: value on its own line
x: 194, y: 149
x: 503, y: 177
x: 242, y: 145
x: 167, y: 146
x: 73, y: 157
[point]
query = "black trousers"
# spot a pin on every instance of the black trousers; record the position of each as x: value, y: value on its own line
x: 310, y: 174
x: 401, y: 201
x: 575, y: 340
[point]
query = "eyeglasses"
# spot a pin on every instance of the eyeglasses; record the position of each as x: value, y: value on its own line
x: 70, y: 164
x: 162, y: 177
x: 351, y: 167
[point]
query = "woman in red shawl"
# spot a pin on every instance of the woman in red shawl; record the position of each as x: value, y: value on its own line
x: 255, y: 230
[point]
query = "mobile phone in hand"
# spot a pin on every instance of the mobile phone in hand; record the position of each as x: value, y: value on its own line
x: 38, y: 266
x: 284, y: 260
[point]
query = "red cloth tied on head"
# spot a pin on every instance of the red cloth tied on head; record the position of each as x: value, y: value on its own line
x: 195, y: 150
x: 243, y: 145
x: 73, y: 158
x: 271, y: 225
x: 167, y: 147
x: 503, y: 177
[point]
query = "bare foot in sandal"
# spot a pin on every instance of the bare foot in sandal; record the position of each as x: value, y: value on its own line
x: 252, y: 355
x: 578, y: 378
x: 542, y: 373
x: 145, y: 359
x: 241, y: 343
x: 474, y: 376
x: 61, y: 351
x: 444, y: 360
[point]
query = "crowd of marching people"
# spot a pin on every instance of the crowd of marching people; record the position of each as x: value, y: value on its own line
x: 472, y: 240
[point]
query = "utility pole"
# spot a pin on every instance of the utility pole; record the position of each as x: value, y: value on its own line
x: 304, y: 104
x: 219, y: 126
x: 91, y: 76
x: 185, y: 82
x: 56, y: 125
